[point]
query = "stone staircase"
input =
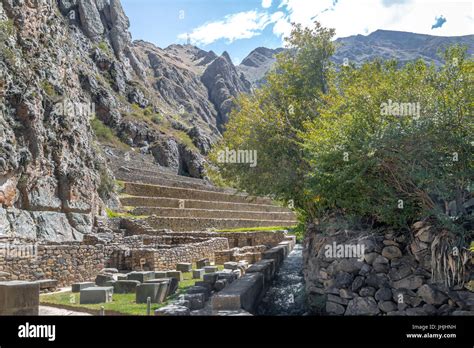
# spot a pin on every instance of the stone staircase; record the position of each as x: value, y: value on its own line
x: 182, y: 203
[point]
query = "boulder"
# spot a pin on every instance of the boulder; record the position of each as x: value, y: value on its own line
x: 362, y: 306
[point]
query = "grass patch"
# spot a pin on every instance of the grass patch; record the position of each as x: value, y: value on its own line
x: 105, y: 135
x: 123, y: 304
x: 113, y: 214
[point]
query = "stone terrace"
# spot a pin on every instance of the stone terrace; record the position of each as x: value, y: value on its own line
x: 188, y: 204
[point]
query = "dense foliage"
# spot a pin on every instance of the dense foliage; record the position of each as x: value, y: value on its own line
x: 379, y: 141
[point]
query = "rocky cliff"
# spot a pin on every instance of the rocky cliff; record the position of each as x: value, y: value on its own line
x: 71, y: 80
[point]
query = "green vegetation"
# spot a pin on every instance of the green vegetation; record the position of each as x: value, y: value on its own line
x: 123, y: 304
x: 48, y: 88
x: 106, y: 136
x: 104, y: 47
x: 380, y: 142
x: 113, y: 214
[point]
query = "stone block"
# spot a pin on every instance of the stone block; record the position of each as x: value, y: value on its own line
x: 198, y: 273
x: 228, y: 276
x: 175, y: 274
x: 203, y: 263
x: 141, y: 276
x: 77, y: 287
x: 199, y: 290
x: 110, y: 270
x: 96, y: 295
x: 166, y: 284
x: 184, y: 267
x: 243, y: 293
x: 276, y: 253
x: 47, y: 284
x: 172, y: 311
x: 122, y: 277
x: 231, y: 265
x: 160, y: 275
x: 126, y: 286
x: 19, y: 298
x: 110, y: 283
x: 220, y: 284
x: 210, y: 269
x: 210, y: 278
x: 196, y: 301
x: 265, y: 267
x: 101, y: 279
x: 203, y: 284
x: 156, y: 292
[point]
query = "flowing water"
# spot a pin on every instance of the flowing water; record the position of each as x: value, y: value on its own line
x: 286, y: 295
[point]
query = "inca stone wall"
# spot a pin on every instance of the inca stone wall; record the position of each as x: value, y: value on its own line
x: 67, y: 263
x: 166, y: 259
x: 386, y: 274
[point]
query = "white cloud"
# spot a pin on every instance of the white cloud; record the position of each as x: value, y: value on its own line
x: 266, y: 3
x: 351, y: 17
x: 242, y: 25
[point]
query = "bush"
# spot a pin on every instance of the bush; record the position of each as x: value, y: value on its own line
x: 334, y: 140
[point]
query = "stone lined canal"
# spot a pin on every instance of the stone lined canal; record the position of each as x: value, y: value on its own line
x: 286, y: 295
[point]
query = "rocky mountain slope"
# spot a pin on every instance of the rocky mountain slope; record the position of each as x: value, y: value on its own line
x: 69, y: 76
x: 385, y: 44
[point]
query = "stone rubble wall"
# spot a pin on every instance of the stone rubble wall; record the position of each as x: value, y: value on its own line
x: 393, y: 277
x: 249, y: 254
x: 66, y: 263
x: 166, y: 259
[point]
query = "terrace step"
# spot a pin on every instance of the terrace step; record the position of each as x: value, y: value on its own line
x: 160, y: 202
x: 157, y: 172
x: 169, y: 180
x: 135, y: 189
x: 214, y: 214
x: 195, y: 224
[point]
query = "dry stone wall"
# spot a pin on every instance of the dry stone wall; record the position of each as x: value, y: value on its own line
x: 381, y: 274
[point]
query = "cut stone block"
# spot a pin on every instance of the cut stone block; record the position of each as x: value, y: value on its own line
x: 77, y: 287
x: 156, y: 292
x: 266, y: 267
x: 126, y: 286
x: 101, y: 279
x: 19, y: 298
x: 47, y: 284
x: 200, y: 290
x: 110, y: 270
x: 196, y: 301
x: 198, y: 273
x: 184, y: 267
x: 110, y: 283
x: 160, y: 275
x: 276, y: 253
x: 210, y: 278
x: 166, y: 283
x: 210, y: 269
x: 231, y: 265
x: 122, y: 277
x: 96, y: 295
x: 243, y: 293
x: 203, y: 284
x: 175, y: 274
x: 203, y: 263
x: 141, y: 276
x: 173, y: 310
x: 220, y: 284
x: 228, y: 276
x: 287, y: 246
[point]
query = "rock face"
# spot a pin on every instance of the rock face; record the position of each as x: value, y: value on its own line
x: 258, y: 63
x: 389, y: 280
x: 62, y: 64
x: 224, y: 83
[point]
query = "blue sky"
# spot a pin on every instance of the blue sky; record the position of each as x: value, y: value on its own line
x: 239, y: 26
